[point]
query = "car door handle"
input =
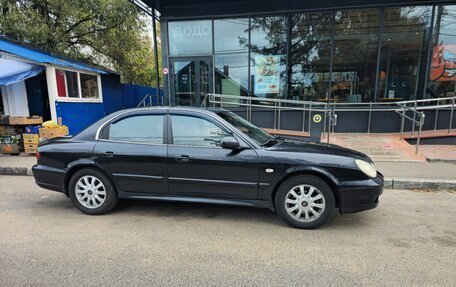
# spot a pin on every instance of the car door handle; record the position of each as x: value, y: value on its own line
x: 183, y: 158
x: 107, y: 154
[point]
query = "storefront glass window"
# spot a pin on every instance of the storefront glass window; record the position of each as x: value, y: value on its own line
x: 231, y: 56
x: 310, y: 56
x: 403, y: 53
x: 190, y: 37
x: 268, y: 56
x: 355, y: 55
x: 442, y: 75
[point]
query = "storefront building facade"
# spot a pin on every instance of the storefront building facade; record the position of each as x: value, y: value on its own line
x: 357, y: 52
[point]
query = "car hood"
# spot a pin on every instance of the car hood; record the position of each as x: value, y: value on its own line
x: 288, y: 145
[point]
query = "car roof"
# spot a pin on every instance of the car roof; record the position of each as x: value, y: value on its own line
x: 177, y: 108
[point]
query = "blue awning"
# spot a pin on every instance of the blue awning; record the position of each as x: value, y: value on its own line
x: 12, y: 71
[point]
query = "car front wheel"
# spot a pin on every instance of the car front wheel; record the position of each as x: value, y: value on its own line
x: 92, y: 192
x: 305, y: 201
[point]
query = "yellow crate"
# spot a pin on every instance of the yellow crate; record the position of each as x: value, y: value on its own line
x: 31, y: 138
x: 30, y: 148
x: 47, y: 133
x: 35, y: 120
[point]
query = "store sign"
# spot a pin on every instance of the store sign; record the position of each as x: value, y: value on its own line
x: 188, y: 30
x: 190, y: 37
x: 267, y: 74
x: 443, y: 66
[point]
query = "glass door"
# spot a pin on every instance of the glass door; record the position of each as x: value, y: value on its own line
x: 191, y: 80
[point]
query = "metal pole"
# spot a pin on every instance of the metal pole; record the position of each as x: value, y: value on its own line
x: 157, y: 75
x: 303, y: 117
x: 275, y: 115
x: 310, y: 115
x: 278, y: 124
x: 324, y: 120
x: 419, y: 133
x: 249, y: 110
x: 436, y: 118
x: 451, y: 115
x: 402, y: 121
x: 414, y: 119
x: 369, y: 121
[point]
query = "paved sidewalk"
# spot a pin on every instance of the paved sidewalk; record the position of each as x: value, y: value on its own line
x: 446, y: 153
x: 398, y: 175
x: 380, y: 147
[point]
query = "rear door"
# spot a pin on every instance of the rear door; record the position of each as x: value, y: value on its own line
x: 132, y: 150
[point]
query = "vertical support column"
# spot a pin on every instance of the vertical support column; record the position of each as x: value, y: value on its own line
x: 331, y: 56
x: 379, y: 51
x: 429, y: 54
x: 288, y: 62
x: 249, y: 83
x: 52, y: 91
x: 157, y: 69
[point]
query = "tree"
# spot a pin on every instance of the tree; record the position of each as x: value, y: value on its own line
x: 111, y: 33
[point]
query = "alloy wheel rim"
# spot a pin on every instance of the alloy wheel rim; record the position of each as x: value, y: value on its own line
x: 305, y: 203
x: 90, y: 191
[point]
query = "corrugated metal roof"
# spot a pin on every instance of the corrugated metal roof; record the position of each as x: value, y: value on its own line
x: 42, y: 57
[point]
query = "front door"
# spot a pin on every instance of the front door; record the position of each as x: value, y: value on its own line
x: 198, y: 166
x: 191, y: 80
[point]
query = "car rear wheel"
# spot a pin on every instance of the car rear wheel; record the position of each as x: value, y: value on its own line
x: 92, y: 192
x: 305, y: 201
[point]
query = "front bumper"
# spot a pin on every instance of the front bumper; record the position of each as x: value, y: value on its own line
x: 360, y: 195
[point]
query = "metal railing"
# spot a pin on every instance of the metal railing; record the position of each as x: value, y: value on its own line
x: 331, y: 115
x: 415, y: 108
x: 278, y: 106
x: 148, y: 101
x: 417, y: 120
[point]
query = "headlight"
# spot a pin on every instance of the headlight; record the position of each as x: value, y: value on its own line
x: 366, y: 167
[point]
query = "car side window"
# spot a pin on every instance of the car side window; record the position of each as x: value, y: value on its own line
x: 194, y: 131
x: 141, y: 129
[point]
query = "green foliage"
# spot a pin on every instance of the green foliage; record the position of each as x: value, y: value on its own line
x: 110, y: 33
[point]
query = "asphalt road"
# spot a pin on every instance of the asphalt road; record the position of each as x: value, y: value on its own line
x: 44, y: 241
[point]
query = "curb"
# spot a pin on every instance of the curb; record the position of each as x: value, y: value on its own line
x: 390, y: 183
x: 419, y: 183
x: 24, y: 171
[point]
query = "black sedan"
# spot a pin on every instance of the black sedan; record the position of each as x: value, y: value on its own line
x: 207, y: 156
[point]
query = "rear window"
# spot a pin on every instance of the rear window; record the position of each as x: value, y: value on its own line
x: 140, y: 129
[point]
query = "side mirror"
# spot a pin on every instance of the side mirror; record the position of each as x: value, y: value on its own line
x: 229, y: 142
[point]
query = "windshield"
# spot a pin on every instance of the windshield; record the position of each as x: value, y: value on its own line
x: 252, y: 131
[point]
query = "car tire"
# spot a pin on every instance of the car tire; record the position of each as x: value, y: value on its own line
x: 92, y: 192
x: 305, y: 201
